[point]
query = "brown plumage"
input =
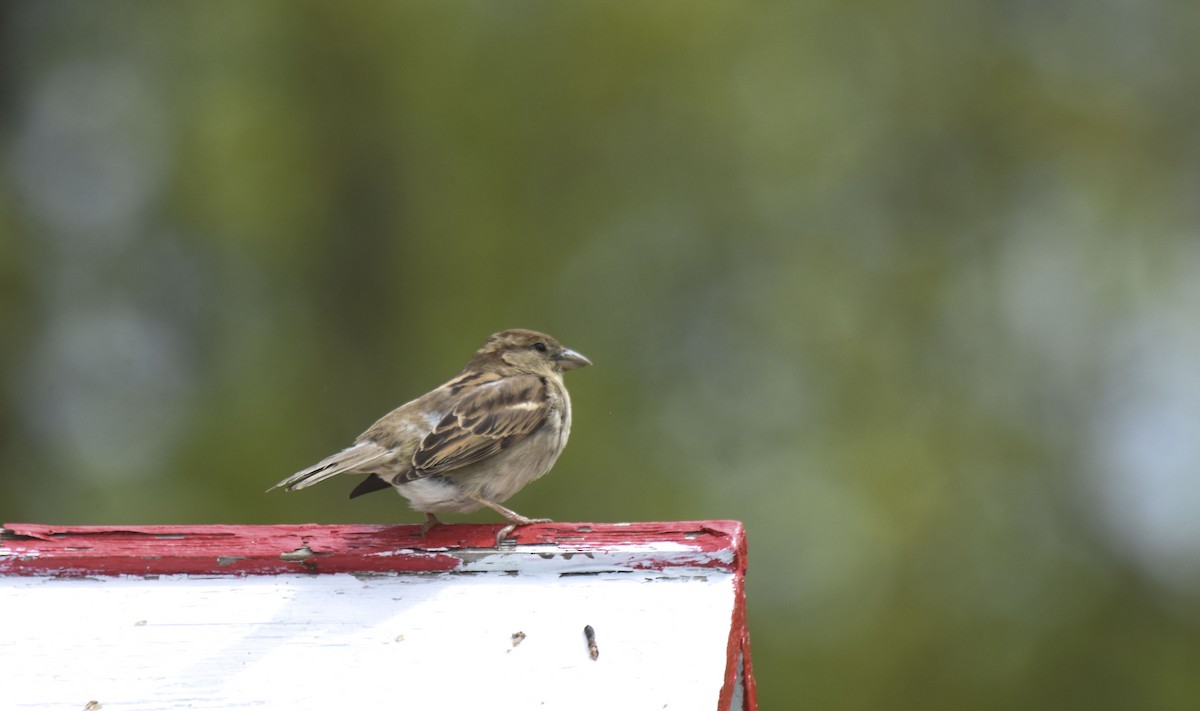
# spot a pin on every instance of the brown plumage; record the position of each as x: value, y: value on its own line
x: 474, y: 441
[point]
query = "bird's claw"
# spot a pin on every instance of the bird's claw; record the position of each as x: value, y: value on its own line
x: 504, y: 532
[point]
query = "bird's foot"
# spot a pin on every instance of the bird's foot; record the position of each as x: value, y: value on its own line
x: 515, y: 519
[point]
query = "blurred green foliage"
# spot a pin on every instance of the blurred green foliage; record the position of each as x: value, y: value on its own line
x: 909, y: 289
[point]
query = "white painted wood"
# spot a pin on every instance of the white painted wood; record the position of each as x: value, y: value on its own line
x: 435, y: 641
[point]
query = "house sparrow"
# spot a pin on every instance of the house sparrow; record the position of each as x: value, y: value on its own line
x: 474, y: 441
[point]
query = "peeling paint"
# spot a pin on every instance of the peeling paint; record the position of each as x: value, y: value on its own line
x: 299, y: 555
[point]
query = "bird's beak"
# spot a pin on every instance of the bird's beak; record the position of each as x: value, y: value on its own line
x: 569, y: 359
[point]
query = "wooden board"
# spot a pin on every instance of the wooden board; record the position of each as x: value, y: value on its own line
x: 322, y: 617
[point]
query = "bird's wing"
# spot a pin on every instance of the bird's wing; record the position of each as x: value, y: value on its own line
x: 487, y: 419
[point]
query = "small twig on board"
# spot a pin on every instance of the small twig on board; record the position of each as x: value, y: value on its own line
x: 590, y: 634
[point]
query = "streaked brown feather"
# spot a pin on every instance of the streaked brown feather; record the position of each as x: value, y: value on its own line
x: 362, y: 454
x: 488, y: 419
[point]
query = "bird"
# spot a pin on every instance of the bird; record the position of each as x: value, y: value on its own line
x: 473, y: 441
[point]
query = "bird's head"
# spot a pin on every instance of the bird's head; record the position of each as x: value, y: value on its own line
x: 526, y: 352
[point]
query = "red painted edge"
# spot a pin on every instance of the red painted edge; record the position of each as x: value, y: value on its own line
x: 64, y: 551
x: 738, y: 647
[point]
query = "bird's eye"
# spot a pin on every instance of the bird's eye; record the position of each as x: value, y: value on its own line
x: 539, y: 347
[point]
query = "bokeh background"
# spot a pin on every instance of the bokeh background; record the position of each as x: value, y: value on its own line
x: 913, y: 290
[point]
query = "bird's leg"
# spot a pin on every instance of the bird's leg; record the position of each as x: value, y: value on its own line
x: 509, y: 514
x: 430, y: 522
x: 515, y: 518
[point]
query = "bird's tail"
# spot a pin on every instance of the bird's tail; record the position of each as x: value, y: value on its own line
x: 348, y: 460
